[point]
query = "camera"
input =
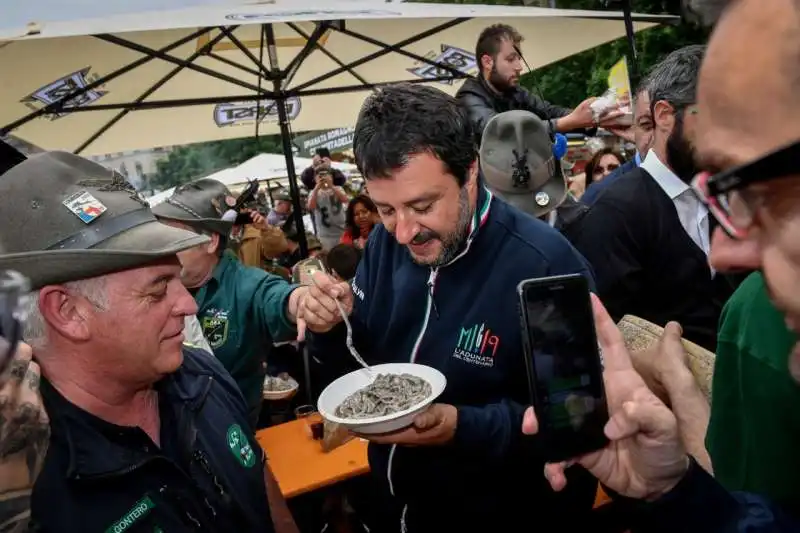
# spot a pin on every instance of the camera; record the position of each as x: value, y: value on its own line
x: 14, y: 289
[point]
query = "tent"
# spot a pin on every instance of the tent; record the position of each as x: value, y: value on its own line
x: 135, y: 80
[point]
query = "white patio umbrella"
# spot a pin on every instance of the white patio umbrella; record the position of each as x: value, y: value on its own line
x: 138, y: 80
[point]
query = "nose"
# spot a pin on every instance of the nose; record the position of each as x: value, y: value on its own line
x: 405, y: 229
x: 731, y: 255
x: 184, y: 304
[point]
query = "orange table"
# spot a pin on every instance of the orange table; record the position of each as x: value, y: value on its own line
x: 300, y: 465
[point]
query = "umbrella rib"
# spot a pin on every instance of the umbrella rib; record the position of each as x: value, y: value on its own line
x: 188, y: 102
x: 171, y: 59
x: 156, y: 86
x: 55, y: 106
x: 452, y: 70
x: 238, y: 44
x: 294, y: 64
x: 328, y: 53
x: 233, y: 64
x: 380, y: 53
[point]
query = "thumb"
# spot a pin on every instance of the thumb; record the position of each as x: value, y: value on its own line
x: 426, y: 420
x: 674, y: 330
x: 649, y: 417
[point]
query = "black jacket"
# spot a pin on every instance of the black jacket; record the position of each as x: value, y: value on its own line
x: 206, y: 475
x: 483, y: 103
x: 645, y: 263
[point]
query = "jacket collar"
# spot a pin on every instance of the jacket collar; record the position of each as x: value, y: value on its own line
x: 96, y: 447
x: 483, y: 206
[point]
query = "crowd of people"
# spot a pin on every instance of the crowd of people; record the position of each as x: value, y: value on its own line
x: 113, y: 419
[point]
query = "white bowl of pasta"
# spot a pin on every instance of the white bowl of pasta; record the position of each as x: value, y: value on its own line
x: 381, y: 401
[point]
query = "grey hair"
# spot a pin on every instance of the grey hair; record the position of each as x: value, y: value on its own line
x: 674, y: 79
x: 35, y: 326
x: 705, y: 12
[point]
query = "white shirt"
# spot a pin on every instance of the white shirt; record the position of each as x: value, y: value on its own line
x: 691, y: 211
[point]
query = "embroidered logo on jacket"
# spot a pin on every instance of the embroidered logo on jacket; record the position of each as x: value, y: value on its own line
x: 215, y: 327
x: 139, y: 510
x: 477, y: 345
x: 240, y: 446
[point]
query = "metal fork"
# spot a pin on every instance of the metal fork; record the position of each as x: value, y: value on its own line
x: 349, y: 338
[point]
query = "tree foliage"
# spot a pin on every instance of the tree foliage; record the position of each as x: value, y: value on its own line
x: 186, y: 163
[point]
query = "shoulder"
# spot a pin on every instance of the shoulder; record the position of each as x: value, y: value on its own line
x: 471, y: 90
x: 533, y: 242
x: 197, y: 364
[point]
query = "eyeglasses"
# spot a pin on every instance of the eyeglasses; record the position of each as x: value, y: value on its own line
x: 727, y: 195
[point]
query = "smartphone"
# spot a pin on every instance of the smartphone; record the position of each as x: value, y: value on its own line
x: 565, y: 370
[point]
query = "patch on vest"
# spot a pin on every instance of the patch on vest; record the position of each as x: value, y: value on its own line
x: 215, y: 327
x: 140, y: 509
x: 240, y: 446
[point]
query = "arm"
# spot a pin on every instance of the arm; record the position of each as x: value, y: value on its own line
x: 282, y: 517
x: 341, y: 195
x: 274, y: 305
x: 699, y: 504
x: 24, y: 436
x: 312, y: 198
x: 478, y: 110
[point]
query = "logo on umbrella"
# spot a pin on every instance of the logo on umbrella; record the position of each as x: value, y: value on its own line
x: 62, y: 88
x: 242, y: 113
x: 455, y: 58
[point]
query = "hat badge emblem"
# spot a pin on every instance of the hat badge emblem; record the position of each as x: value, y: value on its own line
x: 542, y: 199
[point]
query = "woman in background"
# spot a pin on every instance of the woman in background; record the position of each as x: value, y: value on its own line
x: 603, y: 163
x: 361, y: 217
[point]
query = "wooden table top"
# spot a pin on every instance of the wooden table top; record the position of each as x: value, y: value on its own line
x: 300, y: 465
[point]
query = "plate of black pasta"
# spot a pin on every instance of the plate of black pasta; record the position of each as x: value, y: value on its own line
x: 383, y: 399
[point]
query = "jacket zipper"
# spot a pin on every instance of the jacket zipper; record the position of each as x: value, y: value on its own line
x: 431, y: 304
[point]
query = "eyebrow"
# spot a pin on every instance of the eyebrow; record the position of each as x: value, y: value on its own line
x: 161, y: 279
x: 425, y: 198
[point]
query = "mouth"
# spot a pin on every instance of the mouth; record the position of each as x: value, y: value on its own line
x: 421, y: 249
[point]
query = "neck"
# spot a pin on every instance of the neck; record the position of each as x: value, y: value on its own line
x: 489, y: 84
x: 91, y: 389
x: 208, y: 275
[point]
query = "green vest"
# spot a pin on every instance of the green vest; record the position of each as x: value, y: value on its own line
x: 242, y: 311
x: 754, y: 433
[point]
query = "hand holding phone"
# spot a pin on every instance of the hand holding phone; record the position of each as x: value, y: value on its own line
x: 565, y: 374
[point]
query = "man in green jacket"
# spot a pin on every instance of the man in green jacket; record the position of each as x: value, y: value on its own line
x: 243, y: 311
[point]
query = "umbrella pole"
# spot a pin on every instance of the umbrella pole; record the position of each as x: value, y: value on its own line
x: 633, y: 61
x: 286, y: 140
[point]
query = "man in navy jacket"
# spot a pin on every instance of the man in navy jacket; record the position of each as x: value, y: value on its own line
x: 748, y: 136
x: 437, y: 286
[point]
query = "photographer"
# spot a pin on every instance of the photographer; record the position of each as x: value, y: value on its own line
x: 327, y: 204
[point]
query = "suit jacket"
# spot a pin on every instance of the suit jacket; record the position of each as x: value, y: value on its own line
x: 644, y: 261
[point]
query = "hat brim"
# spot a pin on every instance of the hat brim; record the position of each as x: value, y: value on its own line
x: 555, y: 188
x: 136, y: 247
x: 172, y: 212
x: 639, y: 334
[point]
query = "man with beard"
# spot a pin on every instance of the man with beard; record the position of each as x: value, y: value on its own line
x: 748, y: 138
x: 437, y: 286
x: 496, y: 88
x: 647, y: 236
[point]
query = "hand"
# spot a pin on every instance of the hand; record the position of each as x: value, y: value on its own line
x: 623, y: 132
x: 433, y: 427
x: 665, y: 366
x: 583, y: 117
x: 645, y: 458
x: 24, y: 425
x: 317, y: 309
x: 258, y: 219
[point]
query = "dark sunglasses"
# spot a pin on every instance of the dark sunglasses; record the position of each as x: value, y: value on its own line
x: 726, y: 192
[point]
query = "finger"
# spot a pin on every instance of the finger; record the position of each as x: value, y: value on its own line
x: 530, y: 425
x: 301, y: 329
x: 673, y: 331
x: 425, y: 421
x: 555, y: 475
x: 19, y: 364
x: 645, y: 414
x: 615, y: 354
x: 319, y: 301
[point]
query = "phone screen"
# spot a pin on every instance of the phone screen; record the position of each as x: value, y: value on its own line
x: 565, y: 369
